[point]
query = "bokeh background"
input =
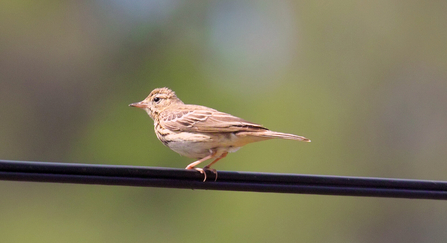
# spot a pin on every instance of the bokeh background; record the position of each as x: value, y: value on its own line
x: 366, y: 81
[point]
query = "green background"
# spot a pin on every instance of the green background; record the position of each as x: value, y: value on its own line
x: 365, y: 80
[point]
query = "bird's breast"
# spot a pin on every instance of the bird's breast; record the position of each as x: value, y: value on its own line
x: 197, y: 145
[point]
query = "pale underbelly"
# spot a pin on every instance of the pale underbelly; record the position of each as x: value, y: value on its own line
x: 200, y: 145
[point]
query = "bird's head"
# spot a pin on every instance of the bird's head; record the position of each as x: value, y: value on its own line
x: 158, y: 100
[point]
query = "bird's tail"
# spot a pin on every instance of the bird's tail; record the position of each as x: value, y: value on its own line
x: 271, y: 134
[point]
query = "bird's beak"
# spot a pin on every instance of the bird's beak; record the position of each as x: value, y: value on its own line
x: 140, y: 104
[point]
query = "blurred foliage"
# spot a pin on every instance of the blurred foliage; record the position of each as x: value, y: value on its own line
x: 366, y: 81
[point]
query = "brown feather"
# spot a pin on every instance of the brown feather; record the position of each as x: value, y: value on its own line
x: 271, y: 134
x: 195, y: 118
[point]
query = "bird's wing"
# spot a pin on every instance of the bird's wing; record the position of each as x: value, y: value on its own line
x: 192, y: 118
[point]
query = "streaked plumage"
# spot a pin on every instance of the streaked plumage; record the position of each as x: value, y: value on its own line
x: 200, y: 132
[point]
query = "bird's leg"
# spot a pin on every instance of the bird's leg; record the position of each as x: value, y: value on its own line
x: 208, y: 167
x: 193, y: 164
x: 212, y: 163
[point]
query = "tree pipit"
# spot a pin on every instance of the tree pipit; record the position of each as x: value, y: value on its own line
x: 200, y: 132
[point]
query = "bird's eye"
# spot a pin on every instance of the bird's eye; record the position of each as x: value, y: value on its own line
x: 156, y: 99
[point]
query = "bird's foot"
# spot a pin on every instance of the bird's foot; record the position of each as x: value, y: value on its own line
x: 202, y: 171
x: 212, y: 170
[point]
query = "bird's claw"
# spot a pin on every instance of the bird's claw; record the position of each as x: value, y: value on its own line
x: 203, y: 171
x: 212, y: 170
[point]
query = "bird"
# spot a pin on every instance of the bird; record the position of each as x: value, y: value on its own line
x: 200, y: 132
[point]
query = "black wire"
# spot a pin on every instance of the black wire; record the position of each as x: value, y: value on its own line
x: 227, y: 180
